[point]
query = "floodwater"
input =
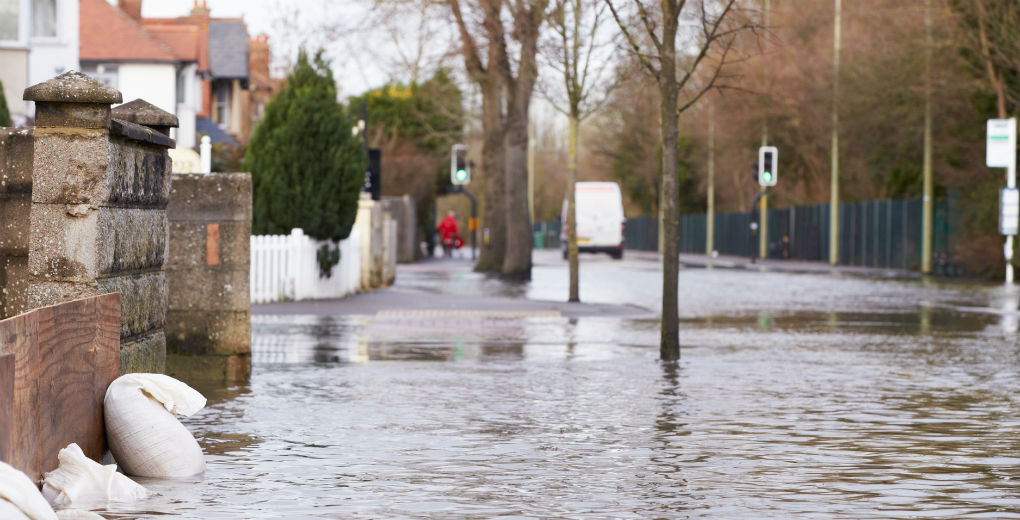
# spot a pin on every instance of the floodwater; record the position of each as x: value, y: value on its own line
x: 797, y: 396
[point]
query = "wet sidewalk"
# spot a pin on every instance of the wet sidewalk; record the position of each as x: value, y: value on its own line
x: 436, y: 287
x: 783, y: 266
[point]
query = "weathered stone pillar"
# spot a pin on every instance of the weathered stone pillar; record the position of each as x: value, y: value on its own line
x: 208, y: 325
x: 98, y: 213
x: 15, y: 204
x: 369, y: 222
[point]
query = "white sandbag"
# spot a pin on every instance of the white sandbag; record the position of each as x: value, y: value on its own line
x: 80, y: 480
x: 20, y: 498
x: 77, y: 514
x: 144, y: 435
x: 9, y: 511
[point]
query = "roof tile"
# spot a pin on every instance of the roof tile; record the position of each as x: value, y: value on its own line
x: 107, y: 33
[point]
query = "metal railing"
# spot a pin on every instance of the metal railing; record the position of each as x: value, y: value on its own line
x: 879, y: 233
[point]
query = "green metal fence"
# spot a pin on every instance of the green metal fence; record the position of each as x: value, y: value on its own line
x: 881, y: 233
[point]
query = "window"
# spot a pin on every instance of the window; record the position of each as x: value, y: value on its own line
x: 180, y: 85
x: 9, y: 20
x: 105, y: 74
x: 223, y: 104
x: 44, y: 18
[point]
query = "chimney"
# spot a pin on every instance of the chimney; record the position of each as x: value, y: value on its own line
x: 258, y: 54
x: 201, y: 11
x: 132, y: 8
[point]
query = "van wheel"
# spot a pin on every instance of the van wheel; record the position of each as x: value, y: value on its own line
x: 617, y: 255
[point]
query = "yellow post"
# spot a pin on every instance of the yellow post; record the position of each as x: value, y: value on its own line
x: 929, y: 190
x: 710, y: 220
x: 834, y: 181
x: 763, y: 229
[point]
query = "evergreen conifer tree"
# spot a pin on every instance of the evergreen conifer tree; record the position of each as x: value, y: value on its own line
x: 5, y: 114
x: 307, y: 168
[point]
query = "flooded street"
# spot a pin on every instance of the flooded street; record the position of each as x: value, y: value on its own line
x: 797, y: 396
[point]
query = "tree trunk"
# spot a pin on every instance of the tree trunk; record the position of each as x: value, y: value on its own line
x: 517, y: 260
x: 493, y: 248
x: 572, y: 211
x: 669, y: 349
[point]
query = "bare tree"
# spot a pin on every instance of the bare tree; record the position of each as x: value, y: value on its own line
x: 711, y: 30
x: 485, y: 73
x: 507, y: 82
x: 576, y: 54
x: 990, y: 32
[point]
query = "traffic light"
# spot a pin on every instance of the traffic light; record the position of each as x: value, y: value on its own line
x: 768, y: 165
x: 460, y: 167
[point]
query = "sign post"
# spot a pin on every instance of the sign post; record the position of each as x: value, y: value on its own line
x: 1000, y: 152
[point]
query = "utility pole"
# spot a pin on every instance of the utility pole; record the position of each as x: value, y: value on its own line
x: 834, y: 181
x: 763, y: 209
x: 710, y: 221
x: 531, y: 172
x: 929, y: 191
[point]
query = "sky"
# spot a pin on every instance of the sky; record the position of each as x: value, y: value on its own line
x: 367, y: 49
x: 288, y: 23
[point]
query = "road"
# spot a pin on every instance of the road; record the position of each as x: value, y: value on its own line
x: 454, y: 394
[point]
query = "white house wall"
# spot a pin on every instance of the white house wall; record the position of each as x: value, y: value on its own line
x: 51, y: 56
x: 153, y: 82
x: 186, y: 110
x: 13, y: 74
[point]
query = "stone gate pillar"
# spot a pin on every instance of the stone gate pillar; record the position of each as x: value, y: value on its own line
x: 98, y: 224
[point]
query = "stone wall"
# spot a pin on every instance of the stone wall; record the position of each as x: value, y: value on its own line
x: 403, y: 211
x: 208, y: 324
x: 99, y: 187
x: 15, y: 204
x: 378, y: 243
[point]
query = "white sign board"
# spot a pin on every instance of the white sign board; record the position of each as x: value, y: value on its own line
x: 1009, y: 211
x: 1000, y: 149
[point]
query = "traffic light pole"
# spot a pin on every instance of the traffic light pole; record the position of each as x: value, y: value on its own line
x: 763, y: 223
x: 755, y: 223
x: 473, y: 223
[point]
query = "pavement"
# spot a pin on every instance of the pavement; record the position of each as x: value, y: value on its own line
x: 451, y: 287
x: 430, y: 286
x: 776, y: 265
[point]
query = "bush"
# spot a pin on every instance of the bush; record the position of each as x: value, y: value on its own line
x: 307, y: 168
x: 5, y: 114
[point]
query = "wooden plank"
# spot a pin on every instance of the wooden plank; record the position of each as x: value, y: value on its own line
x: 72, y: 354
x: 19, y: 336
x: 6, y: 405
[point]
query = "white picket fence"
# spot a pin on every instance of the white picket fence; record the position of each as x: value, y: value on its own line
x: 284, y: 267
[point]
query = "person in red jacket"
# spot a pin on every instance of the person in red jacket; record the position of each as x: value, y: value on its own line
x: 448, y: 233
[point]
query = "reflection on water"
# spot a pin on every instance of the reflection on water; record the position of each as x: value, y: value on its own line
x: 786, y: 412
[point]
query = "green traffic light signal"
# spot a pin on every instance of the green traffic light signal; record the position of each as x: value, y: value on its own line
x: 767, y: 176
x: 461, y: 175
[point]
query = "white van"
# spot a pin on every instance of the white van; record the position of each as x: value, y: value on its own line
x: 600, y: 219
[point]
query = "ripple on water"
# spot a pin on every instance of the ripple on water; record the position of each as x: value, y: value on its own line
x: 802, y: 415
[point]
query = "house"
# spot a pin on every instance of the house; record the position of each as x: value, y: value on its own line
x: 38, y: 40
x: 196, y: 66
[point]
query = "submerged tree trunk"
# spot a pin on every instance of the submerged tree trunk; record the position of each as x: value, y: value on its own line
x: 493, y: 248
x: 517, y: 260
x: 572, y: 211
x: 669, y: 348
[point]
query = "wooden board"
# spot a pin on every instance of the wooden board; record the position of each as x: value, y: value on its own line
x: 6, y: 405
x: 65, y: 356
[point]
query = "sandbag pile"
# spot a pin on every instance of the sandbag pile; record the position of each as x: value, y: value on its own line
x: 145, y: 438
x: 81, y: 481
x: 142, y: 429
x: 21, y: 500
